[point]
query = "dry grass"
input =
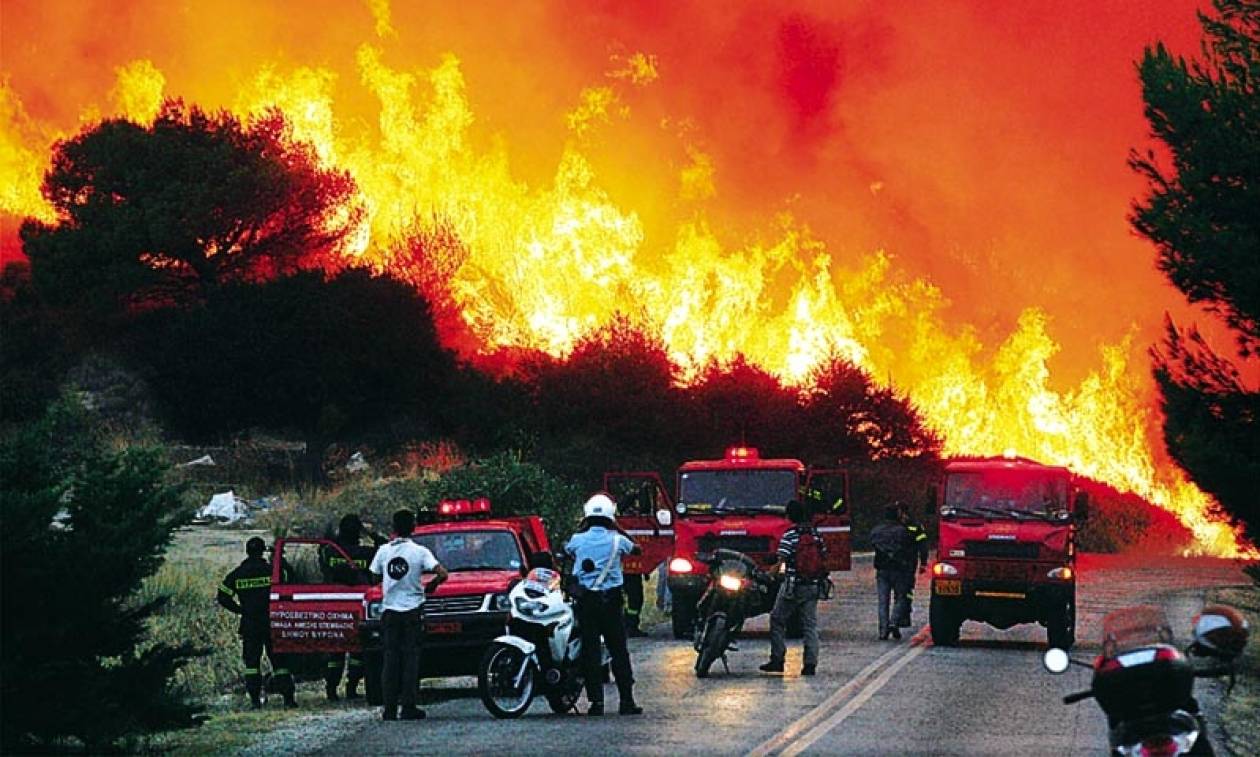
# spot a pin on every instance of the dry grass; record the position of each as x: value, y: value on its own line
x: 1241, y: 715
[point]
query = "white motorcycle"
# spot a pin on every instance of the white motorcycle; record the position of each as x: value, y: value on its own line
x: 540, y: 654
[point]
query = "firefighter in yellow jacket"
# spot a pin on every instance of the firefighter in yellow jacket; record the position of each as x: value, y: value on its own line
x: 246, y: 591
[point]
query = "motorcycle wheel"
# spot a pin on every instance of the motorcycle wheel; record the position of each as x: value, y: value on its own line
x: 713, y: 644
x: 496, y: 681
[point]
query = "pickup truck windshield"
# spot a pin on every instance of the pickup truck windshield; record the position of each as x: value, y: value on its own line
x: 993, y: 492
x: 473, y: 550
x: 735, y: 490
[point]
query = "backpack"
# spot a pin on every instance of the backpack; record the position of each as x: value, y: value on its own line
x: 810, y: 556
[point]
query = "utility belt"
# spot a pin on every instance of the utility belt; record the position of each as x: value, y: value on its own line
x: 602, y: 596
x: 793, y: 584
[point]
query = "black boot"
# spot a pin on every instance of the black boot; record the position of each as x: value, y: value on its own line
x: 352, y: 688
x: 330, y: 690
x: 596, y: 708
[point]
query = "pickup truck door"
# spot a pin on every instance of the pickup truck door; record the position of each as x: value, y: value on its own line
x: 313, y: 608
x: 639, y: 497
x: 828, y: 490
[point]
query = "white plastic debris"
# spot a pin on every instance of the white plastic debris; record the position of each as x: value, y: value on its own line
x: 357, y: 463
x: 203, y: 460
x: 225, y: 507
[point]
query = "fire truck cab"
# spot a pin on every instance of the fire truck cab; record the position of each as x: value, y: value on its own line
x: 484, y: 554
x: 1006, y: 550
x: 738, y: 502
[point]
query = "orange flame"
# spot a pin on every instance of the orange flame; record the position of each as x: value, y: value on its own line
x: 541, y: 260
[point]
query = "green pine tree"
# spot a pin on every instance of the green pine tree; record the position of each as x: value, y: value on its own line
x: 1203, y: 214
x: 81, y: 527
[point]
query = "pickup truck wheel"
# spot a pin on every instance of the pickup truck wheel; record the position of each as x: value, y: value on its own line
x: 372, y: 669
x: 945, y: 622
x: 683, y: 617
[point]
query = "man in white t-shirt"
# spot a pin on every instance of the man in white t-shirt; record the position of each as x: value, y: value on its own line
x: 401, y: 564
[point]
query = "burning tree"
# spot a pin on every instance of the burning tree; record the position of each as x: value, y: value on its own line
x: 1203, y: 214
x: 165, y: 214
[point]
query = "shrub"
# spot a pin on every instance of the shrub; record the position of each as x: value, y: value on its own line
x: 1120, y: 521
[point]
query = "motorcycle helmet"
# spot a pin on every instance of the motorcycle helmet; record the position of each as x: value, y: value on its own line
x: 1220, y: 631
x: 599, y: 506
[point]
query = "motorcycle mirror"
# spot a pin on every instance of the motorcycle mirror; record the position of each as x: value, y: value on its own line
x: 1055, y: 660
x: 664, y: 517
x: 1220, y: 632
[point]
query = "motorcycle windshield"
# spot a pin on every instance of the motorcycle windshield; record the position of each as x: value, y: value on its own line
x: 543, y: 580
x: 1134, y: 628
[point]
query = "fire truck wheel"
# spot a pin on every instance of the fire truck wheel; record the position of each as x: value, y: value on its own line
x: 683, y: 618
x: 945, y: 622
x: 372, y: 691
x: 1061, y: 626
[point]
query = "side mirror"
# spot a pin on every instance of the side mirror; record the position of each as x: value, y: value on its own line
x: 542, y: 560
x: 1080, y: 506
x: 1220, y: 632
x: 1055, y: 660
x: 664, y: 518
x: 929, y: 506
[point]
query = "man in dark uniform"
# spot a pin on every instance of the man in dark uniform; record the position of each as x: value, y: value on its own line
x: 638, y: 504
x: 919, y: 539
x: 894, y: 558
x: 336, y: 569
x: 246, y: 591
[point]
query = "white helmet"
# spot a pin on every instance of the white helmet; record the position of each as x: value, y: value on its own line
x: 600, y: 506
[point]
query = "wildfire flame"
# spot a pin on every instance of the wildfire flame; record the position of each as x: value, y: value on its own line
x: 540, y: 262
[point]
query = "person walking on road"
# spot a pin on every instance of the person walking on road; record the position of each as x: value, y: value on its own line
x: 350, y: 569
x: 804, y: 556
x: 246, y: 591
x: 401, y: 565
x: 894, y: 559
x: 919, y: 540
x: 596, y: 551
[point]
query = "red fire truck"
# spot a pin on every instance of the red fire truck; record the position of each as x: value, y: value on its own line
x: 1007, y: 547
x: 312, y: 613
x: 738, y: 502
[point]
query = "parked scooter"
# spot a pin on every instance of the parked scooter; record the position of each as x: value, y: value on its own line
x: 737, y: 590
x: 1145, y: 685
x: 541, y: 653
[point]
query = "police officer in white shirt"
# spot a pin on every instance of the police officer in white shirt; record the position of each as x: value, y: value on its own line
x: 596, y: 550
x: 401, y: 564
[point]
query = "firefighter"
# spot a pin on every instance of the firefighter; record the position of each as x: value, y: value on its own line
x: 919, y: 538
x: 639, y: 504
x: 246, y: 591
x: 596, y: 550
x: 894, y: 558
x: 336, y: 570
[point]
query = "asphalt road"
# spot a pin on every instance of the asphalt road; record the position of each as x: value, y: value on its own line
x: 987, y: 696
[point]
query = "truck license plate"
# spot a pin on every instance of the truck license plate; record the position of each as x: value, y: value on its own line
x: 451, y: 627
x: 948, y: 587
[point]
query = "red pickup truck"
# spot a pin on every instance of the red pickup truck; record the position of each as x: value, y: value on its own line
x: 486, y: 555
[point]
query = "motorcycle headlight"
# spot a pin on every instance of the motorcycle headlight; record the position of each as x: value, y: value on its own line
x: 373, y: 611
x: 500, y: 603
x: 529, y: 606
x: 731, y: 583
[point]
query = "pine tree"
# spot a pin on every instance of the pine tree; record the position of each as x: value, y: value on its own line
x: 1203, y: 214
x: 74, y: 662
